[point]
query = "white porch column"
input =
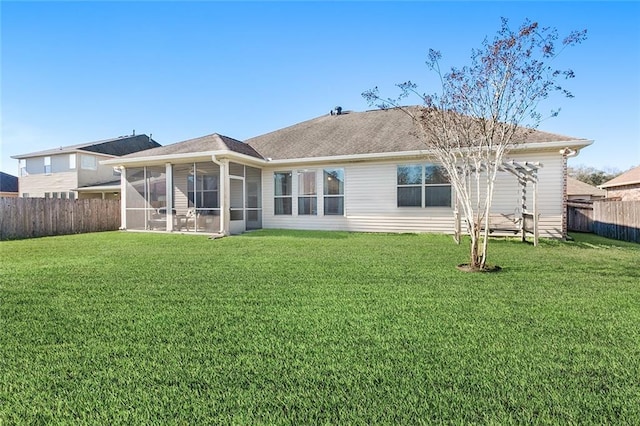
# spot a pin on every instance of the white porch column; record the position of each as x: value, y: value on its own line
x: 225, y: 195
x: 123, y: 198
x: 169, y: 195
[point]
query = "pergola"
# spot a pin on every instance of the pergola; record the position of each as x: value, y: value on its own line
x: 525, y: 172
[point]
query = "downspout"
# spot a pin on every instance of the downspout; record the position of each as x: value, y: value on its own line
x: 566, y: 153
x: 123, y: 198
x: 223, y: 195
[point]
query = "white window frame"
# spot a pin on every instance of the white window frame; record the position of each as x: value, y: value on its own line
x: 277, y: 196
x: 307, y: 190
x: 327, y: 195
x: 47, y: 165
x: 72, y: 161
x: 424, y: 187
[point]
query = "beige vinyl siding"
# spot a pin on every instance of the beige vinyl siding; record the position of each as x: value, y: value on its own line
x: 371, y: 200
x: 103, y: 173
x: 36, y: 185
x: 60, y: 163
x: 180, y: 195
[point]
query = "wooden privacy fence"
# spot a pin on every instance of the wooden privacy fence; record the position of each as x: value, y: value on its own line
x: 619, y: 220
x: 39, y: 217
x: 580, y: 216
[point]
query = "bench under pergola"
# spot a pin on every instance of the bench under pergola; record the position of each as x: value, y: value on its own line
x: 527, y: 222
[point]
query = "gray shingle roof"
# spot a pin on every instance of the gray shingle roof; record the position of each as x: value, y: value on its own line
x: 8, y: 183
x: 213, y: 142
x: 119, y: 146
x: 350, y: 133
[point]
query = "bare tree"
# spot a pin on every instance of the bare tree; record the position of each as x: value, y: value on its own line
x: 483, y: 111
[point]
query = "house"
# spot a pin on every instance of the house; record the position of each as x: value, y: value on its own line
x: 581, y: 191
x: 625, y: 187
x: 354, y: 171
x: 75, y: 171
x: 8, y: 185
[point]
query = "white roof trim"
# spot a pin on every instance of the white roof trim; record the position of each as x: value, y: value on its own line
x: 182, y: 157
x: 207, y: 155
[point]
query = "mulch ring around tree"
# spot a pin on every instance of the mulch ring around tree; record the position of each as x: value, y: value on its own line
x: 465, y: 267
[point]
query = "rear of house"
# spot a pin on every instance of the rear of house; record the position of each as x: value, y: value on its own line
x: 357, y: 171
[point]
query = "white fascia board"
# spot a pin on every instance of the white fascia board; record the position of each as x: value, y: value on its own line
x: 353, y: 158
x: 536, y: 146
x: 109, y: 188
x: 181, y: 158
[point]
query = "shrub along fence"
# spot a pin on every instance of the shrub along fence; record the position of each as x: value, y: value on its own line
x: 38, y: 217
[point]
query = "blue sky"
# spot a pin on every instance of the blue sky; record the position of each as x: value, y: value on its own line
x: 75, y: 72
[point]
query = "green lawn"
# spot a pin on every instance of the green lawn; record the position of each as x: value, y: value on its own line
x: 277, y: 327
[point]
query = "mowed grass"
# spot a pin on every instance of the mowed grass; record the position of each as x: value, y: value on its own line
x: 279, y: 327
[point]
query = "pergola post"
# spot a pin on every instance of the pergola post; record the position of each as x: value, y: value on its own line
x: 535, y: 212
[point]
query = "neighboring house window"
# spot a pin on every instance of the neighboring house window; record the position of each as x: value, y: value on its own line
x: 47, y: 195
x: 282, y: 193
x: 423, y: 186
x: 72, y: 161
x: 333, y: 191
x: 88, y: 162
x: 23, y: 167
x: 47, y: 165
x: 307, y: 199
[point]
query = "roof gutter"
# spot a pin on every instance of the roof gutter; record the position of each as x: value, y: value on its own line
x: 350, y: 158
x: 182, y: 157
x: 577, y: 144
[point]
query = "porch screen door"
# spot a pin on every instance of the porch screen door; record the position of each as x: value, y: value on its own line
x: 237, y: 219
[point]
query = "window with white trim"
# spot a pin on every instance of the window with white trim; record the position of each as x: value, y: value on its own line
x: 282, y: 193
x: 72, y: 161
x: 23, y: 167
x: 333, y: 191
x: 307, y: 194
x: 47, y: 165
x: 423, y: 185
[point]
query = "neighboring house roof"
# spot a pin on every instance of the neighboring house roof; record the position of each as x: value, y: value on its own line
x: 630, y: 177
x: 209, y: 143
x: 8, y: 183
x: 576, y: 187
x: 119, y: 146
x: 356, y: 133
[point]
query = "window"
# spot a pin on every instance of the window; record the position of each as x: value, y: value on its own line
x: 307, y: 200
x: 333, y: 191
x: 437, y: 188
x: 72, y: 161
x: 282, y: 193
x: 23, y: 167
x: 410, y: 186
x: 205, y: 192
x: 47, y: 165
x: 423, y: 186
x: 88, y: 162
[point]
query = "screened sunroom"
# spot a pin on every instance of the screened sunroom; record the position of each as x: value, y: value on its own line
x: 203, y: 197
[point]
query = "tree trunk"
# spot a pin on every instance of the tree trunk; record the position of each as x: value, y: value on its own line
x: 475, y: 245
